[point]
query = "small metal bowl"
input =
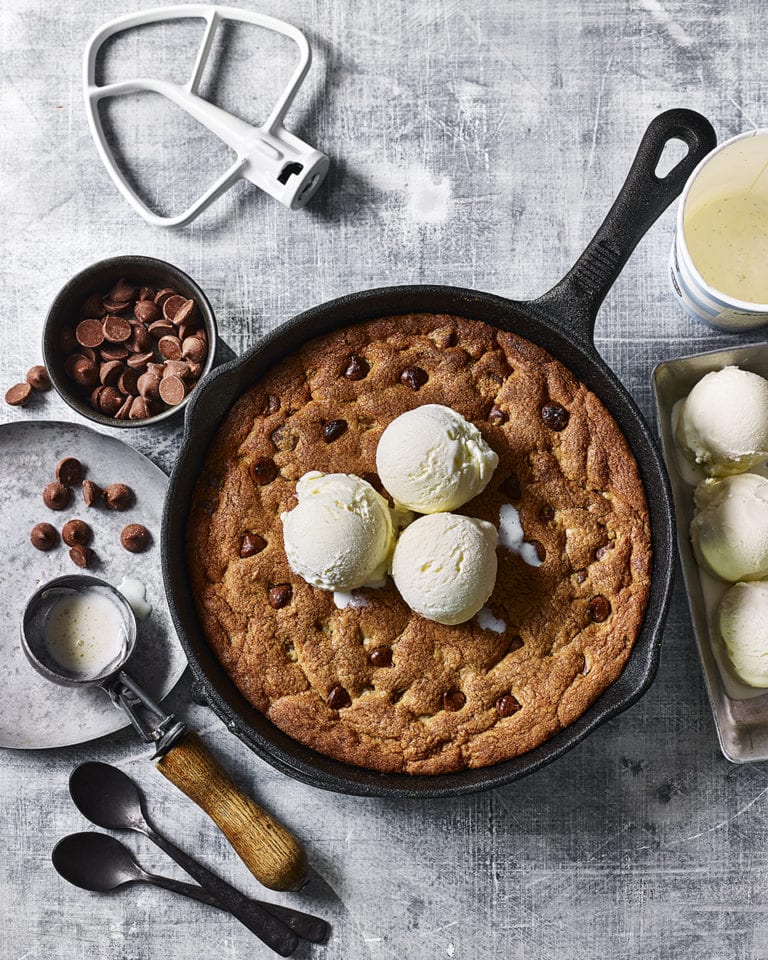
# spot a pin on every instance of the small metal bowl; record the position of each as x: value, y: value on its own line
x: 65, y: 311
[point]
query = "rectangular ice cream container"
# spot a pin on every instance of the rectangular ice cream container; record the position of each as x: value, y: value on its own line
x: 740, y: 711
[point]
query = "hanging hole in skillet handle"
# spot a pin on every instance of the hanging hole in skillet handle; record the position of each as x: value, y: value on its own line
x: 644, y: 196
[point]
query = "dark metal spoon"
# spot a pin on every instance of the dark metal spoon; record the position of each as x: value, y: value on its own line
x: 109, y: 798
x: 98, y: 862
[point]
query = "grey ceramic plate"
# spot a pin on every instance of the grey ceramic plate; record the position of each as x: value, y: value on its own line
x: 740, y: 712
x: 34, y: 713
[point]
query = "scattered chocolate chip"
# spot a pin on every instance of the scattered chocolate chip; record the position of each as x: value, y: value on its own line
x: 161, y: 328
x: 139, y: 409
x: 280, y: 595
x: 91, y: 493
x: 170, y: 347
x: 69, y: 471
x: 338, y: 698
x: 541, y: 551
x: 184, y: 313
x: 89, y: 333
x: 123, y: 291
x: 172, y: 390
x: 193, y: 348
x: 109, y: 372
x: 125, y: 409
x: 511, y: 487
x: 374, y: 479
x: 176, y: 368
x: 414, y: 377
x: 381, y: 657
x: 515, y: 643
x: 56, y: 496
x: 114, y: 351
x: 148, y: 386
x: 263, y: 471
x: 581, y: 576
x: 334, y: 429
x: 128, y: 381
x: 547, y: 513
x: 146, y: 293
x: 18, y: 395
x: 357, y: 367
x: 115, y: 307
x: 172, y: 305
x: 496, y: 416
x: 163, y: 295
x: 38, y: 379
x: 268, y: 405
x: 44, y: 536
x: 135, y: 538
x: 92, y: 307
x: 81, y: 556
x: 140, y: 340
x: 118, y: 496
x: 453, y: 700
x: 507, y: 705
x: 555, y: 416
x: 76, y: 532
x: 85, y: 372
x: 251, y: 544
x: 601, y: 551
x: 599, y: 608
x: 140, y: 361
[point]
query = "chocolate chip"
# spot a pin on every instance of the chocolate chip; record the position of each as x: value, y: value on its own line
x: 118, y: 496
x: 139, y: 409
x: 91, y: 493
x: 333, y: 430
x: 357, y: 367
x: 184, y: 313
x: 18, y: 395
x: 147, y: 311
x: 44, y: 536
x: 140, y: 361
x: 172, y: 390
x: 163, y: 295
x: 268, y: 405
x: 114, y: 351
x: 555, y: 416
x: 92, y: 307
x: 338, y: 698
x: 76, y: 532
x: 414, y: 377
x: 381, y: 657
x: 128, y: 382
x: 146, y: 293
x: 123, y: 290
x: 69, y: 471
x: 170, y: 347
x: 511, y: 487
x: 81, y: 556
x: 280, y: 595
x: 115, y: 307
x: 176, y: 368
x: 599, y: 608
x: 56, y: 496
x: 541, y: 551
x: 507, y: 705
x: 251, y: 544
x: 149, y: 386
x: 38, y: 379
x: 547, y: 513
x: 453, y: 700
x: 89, y: 333
x: 85, y: 372
x: 140, y: 340
x: 116, y: 330
x: 172, y: 305
x: 193, y: 348
x: 496, y: 416
x: 581, y: 576
x: 161, y: 328
x: 125, y: 410
x: 67, y: 341
x: 109, y: 400
x: 374, y: 479
x: 135, y: 538
x: 601, y: 551
x: 109, y: 372
x: 515, y: 643
x: 263, y: 471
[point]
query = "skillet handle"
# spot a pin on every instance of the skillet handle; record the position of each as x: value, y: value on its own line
x: 269, y: 851
x: 642, y: 199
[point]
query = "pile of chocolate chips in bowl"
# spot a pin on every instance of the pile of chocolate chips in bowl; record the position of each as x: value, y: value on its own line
x: 136, y: 351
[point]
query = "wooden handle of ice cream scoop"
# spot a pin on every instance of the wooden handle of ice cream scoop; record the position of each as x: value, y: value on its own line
x: 269, y: 851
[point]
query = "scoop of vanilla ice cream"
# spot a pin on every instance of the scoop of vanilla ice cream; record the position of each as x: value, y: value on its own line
x: 340, y: 535
x: 743, y: 620
x: 730, y: 531
x: 444, y: 566
x: 431, y: 459
x: 723, y: 423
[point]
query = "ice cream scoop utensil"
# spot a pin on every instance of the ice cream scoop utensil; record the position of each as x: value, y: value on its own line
x: 98, y: 862
x: 269, y: 851
x: 268, y: 156
x: 109, y: 798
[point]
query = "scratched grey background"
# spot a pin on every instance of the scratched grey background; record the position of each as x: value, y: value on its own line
x: 475, y: 144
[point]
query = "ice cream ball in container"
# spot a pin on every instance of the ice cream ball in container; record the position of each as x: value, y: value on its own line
x: 723, y: 422
x: 730, y: 531
x: 743, y: 616
x: 432, y: 459
x: 341, y: 533
x: 444, y: 566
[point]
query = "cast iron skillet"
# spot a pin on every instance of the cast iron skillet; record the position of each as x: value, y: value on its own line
x: 562, y: 321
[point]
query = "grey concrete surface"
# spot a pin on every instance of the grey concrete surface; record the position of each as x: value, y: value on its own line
x: 475, y: 144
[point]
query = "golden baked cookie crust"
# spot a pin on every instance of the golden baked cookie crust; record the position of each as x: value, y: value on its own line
x: 432, y: 698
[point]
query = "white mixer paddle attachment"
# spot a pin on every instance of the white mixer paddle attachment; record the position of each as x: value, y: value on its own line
x: 268, y: 156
